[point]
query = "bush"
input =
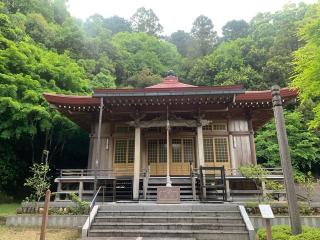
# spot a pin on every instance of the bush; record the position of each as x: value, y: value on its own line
x: 280, y: 232
x: 283, y: 232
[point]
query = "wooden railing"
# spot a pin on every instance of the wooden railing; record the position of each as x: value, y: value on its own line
x: 71, y: 173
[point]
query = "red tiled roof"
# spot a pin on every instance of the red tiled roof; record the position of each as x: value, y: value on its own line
x: 171, y: 82
x: 266, y: 95
x: 71, y: 99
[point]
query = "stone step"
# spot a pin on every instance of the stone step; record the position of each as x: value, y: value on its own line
x: 135, y: 238
x: 169, y: 219
x: 198, y: 234
x: 189, y: 207
x: 169, y: 226
x: 169, y: 213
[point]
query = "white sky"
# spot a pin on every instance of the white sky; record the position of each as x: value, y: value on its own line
x: 179, y: 14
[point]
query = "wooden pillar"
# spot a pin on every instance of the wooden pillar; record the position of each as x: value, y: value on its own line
x: 200, y: 146
x: 251, y: 140
x: 98, y: 154
x: 286, y: 161
x: 45, y: 215
x: 137, y: 160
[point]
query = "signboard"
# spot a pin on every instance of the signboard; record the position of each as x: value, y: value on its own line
x: 266, y: 211
x: 168, y: 194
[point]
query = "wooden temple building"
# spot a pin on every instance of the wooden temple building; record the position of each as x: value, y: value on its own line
x: 166, y: 131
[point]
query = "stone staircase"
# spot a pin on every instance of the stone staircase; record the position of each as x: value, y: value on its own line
x: 168, y: 221
x: 183, y: 182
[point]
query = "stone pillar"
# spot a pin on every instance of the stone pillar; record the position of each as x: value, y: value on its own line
x: 137, y: 160
x: 200, y: 151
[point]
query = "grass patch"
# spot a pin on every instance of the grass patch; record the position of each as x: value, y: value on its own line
x: 18, y: 233
x: 7, y: 209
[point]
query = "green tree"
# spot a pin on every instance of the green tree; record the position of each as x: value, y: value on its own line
x: 226, y: 65
x: 203, y: 34
x: 183, y: 41
x: 307, y: 64
x: 235, y: 29
x: 117, y: 24
x: 145, y: 20
x: 144, y: 78
x: 103, y: 80
x: 304, y: 144
x: 138, y: 51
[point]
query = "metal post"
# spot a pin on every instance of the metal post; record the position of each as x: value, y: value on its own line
x: 168, y: 151
x: 286, y: 161
x: 98, y: 153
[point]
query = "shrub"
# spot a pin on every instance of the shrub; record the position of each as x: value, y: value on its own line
x: 280, y: 232
x: 283, y: 232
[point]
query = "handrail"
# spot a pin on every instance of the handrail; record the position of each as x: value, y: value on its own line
x: 91, y: 172
x: 93, y: 202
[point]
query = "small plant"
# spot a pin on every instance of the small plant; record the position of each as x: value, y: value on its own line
x: 39, y: 181
x: 308, y: 183
x: 257, y: 173
x: 82, y: 207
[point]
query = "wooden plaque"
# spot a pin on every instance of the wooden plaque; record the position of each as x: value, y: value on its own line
x: 168, y: 194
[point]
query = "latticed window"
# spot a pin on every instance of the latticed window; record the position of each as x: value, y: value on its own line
x: 130, y: 151
x: 176, y: 150
x: 188, y: 150
x: 152, y: 151
x: 157, y: 150
x: 208, y: 149
x: 207, y: 127
x: 182, y: 150
x: 124, y: 129
x: 221, y: 149
x: 219, y: 127
x: 216, y: 149
x: 124, y: 151
x: 162, y: 150
x: 215, y: 127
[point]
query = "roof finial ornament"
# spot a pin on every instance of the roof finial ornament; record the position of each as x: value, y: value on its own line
x: 170, y: 73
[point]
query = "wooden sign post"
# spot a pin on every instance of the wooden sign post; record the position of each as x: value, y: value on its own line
x: 45, y: 215
x: 286, y: 161
x: 267, y: 214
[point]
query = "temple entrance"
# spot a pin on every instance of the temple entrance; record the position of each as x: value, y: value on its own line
x: 181, y: 155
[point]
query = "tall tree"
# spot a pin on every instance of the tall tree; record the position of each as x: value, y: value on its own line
x: 235, y: 29
x: 183, y: 42
x: 117, y: 24
x: 307, y: 64
x: 203, y: 34
x: 145, y: 20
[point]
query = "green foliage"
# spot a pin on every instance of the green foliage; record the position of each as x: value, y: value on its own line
x: 235, y: 29
x: 280, y: 232
x: 307, y: 63
x: 39, y: 181
x: 283, y: 232
x: 82, y: 207
x: 140, y: 51
x: 103, y: 80
x: 304, y: 144
x: 145, y: 20
x: 308, y: 182
x: 144, y: 78
x: 203, y: 34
